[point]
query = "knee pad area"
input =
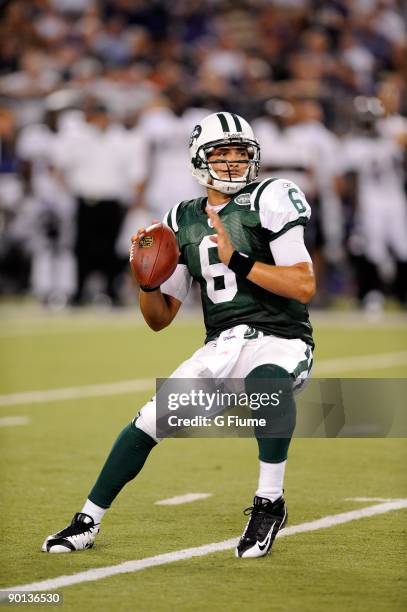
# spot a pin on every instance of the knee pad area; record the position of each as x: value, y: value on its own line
x: 270, y: 388
x: 268, y: 371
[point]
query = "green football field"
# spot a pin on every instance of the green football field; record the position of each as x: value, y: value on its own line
x: 68, y: 387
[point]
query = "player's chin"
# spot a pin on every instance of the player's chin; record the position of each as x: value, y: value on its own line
x: 232, y: 178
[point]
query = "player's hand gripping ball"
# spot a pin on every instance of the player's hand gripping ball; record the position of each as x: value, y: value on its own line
x: 154, y: 255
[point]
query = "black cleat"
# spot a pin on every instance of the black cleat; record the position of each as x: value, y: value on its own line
x: 266, y: 520
x: 79, y: 535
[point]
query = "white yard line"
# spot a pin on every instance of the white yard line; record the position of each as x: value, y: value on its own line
x: 356, y: 319
x: 13, y: 420
x: 55, y: 323
x: 372, y: 499
x: 322, y: 367
x: 200, y: 551
x: 182, y: 499
x: 69, y: 393
x: 359, y: 363
x: 21, y: 321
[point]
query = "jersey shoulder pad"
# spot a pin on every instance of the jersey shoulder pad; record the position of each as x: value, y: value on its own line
x: 250, y: 187
x: 281, y: 205
x: 173, y: 216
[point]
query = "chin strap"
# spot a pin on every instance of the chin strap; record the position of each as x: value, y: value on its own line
x: 227, y: 187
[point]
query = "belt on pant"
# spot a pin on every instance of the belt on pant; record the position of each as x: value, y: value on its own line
x: 94, y: 201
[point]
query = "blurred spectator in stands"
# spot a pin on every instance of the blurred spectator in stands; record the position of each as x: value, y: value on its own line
x: 359, y: 60
x: 225, y: 60
x: 134, y: 55
x: 111, y: 44
x: 36, y: 77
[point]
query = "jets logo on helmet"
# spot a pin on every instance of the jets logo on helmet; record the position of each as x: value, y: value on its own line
x: 220, y: 130
x: 195, y: 134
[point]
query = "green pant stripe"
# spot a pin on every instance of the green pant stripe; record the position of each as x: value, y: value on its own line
x: 304, y: 365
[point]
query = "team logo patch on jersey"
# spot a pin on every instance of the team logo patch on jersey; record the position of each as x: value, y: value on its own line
x: 146, y: 242
x: 243, y: 199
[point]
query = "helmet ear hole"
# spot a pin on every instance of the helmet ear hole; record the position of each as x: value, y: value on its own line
x: 200, y: 161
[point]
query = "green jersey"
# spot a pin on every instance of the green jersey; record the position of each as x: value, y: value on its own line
x: 255, y: 216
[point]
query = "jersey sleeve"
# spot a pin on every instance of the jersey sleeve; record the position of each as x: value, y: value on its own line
x: 281, y: 205
x: 171, y: 219
x: 179, y: 284
x: 289, y: 249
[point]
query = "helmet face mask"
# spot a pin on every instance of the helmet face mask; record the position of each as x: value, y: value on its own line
x: 223, y: 130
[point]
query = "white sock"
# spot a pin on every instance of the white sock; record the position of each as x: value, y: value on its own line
x: 271, y: 479
x: 96, y: 512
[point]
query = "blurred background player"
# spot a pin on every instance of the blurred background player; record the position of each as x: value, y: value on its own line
x: 15, y: 255
x: 95, y: 160
x: 49, y: 210
x: 153, y: 65
x: 378, y: 240
x: 326, y: 232
x: 166, y: 126
x: 286, y: 152
x: 391, y: 122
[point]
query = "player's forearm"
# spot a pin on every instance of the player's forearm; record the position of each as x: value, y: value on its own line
x: 296, y: 282
x: 158, y: 309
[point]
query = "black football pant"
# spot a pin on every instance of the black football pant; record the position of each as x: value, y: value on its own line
x: 98, y: 224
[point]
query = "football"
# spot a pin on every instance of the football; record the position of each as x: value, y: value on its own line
x: 154, y: 257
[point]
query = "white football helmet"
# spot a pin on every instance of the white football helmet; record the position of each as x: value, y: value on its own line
x: 222, y: 129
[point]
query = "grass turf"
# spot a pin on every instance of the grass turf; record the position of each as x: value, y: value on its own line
x: 49, y: 465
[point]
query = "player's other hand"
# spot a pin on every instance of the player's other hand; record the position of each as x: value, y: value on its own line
x: 221, y: 238
x: 140, y: 232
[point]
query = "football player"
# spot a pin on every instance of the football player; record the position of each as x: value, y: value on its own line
x: 243, y: 243
x: 166, y: 133
x: 50, y: 215
x: 373, y: 165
